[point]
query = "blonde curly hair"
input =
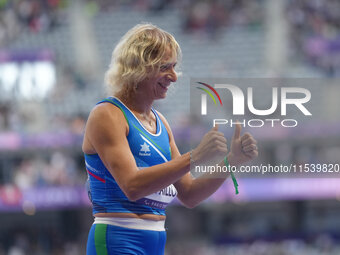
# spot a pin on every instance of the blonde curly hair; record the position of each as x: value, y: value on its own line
x: 138, y: 56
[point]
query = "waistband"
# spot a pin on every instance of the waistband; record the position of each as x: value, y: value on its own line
x: 133, y: 223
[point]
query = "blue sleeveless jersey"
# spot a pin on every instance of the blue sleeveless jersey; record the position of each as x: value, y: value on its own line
x: 148, y: 149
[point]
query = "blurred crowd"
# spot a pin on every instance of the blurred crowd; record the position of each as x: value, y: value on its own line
x: 208, y: 17
x: 204, y: 17
x: 315, y: 32
x: 324, y: 245
x: 55, y: 169
x: 31, y: 118
x: 27, y: 116
x: 33, y: 15
x: 315, y: 28
x: 22, y: 245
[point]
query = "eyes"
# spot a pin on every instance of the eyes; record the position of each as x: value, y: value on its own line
x: 167, y: 67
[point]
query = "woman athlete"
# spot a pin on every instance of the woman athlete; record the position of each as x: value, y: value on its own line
x: 134, y: 166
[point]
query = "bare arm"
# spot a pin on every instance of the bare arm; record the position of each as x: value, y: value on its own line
x: 106, y: 131
x: 193, y: 191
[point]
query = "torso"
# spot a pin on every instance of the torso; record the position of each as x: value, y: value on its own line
x: 89, y: 149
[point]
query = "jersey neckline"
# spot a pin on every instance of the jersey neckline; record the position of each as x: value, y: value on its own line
x: 158, y: 124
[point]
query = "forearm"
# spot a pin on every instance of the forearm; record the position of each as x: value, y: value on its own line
x: 204, y: 186
x: 207, y: 184
x: 155, y: 178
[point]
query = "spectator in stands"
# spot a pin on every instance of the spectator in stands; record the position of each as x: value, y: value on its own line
x: 37, y: 16
x: 315, y: 32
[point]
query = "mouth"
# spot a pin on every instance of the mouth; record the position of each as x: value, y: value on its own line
x: 163, y: 86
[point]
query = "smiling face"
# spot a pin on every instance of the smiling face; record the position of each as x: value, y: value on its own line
x: 142, y: 64
x: 156, y: 86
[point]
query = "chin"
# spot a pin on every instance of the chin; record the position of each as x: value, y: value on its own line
x: 161, y: 96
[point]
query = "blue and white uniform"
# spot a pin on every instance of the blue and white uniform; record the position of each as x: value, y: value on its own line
x: 106, y: 196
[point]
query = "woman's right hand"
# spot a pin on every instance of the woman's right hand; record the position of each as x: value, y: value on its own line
x: 212, y: 148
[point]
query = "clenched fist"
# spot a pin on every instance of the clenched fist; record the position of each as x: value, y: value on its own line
x: 212, y: 148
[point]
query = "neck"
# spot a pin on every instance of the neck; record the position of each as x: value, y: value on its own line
x: 136, y: 102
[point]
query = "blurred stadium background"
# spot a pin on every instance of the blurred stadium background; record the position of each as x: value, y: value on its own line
x: 53, y: 55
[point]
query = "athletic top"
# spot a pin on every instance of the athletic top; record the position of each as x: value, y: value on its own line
x: 148, y: 149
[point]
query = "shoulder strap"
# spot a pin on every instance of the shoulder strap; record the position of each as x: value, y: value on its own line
x: 116, y: 103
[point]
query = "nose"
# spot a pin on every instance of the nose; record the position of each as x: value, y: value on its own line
x: 172, y: 76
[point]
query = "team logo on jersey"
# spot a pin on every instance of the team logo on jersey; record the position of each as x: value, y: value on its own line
x: 145, y: 150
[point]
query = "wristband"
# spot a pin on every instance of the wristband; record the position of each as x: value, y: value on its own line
x: 226, y: 163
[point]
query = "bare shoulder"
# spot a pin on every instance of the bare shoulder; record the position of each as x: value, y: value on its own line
x: 106, y: 110
x: 106, y: 115
x: 104, y: 120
